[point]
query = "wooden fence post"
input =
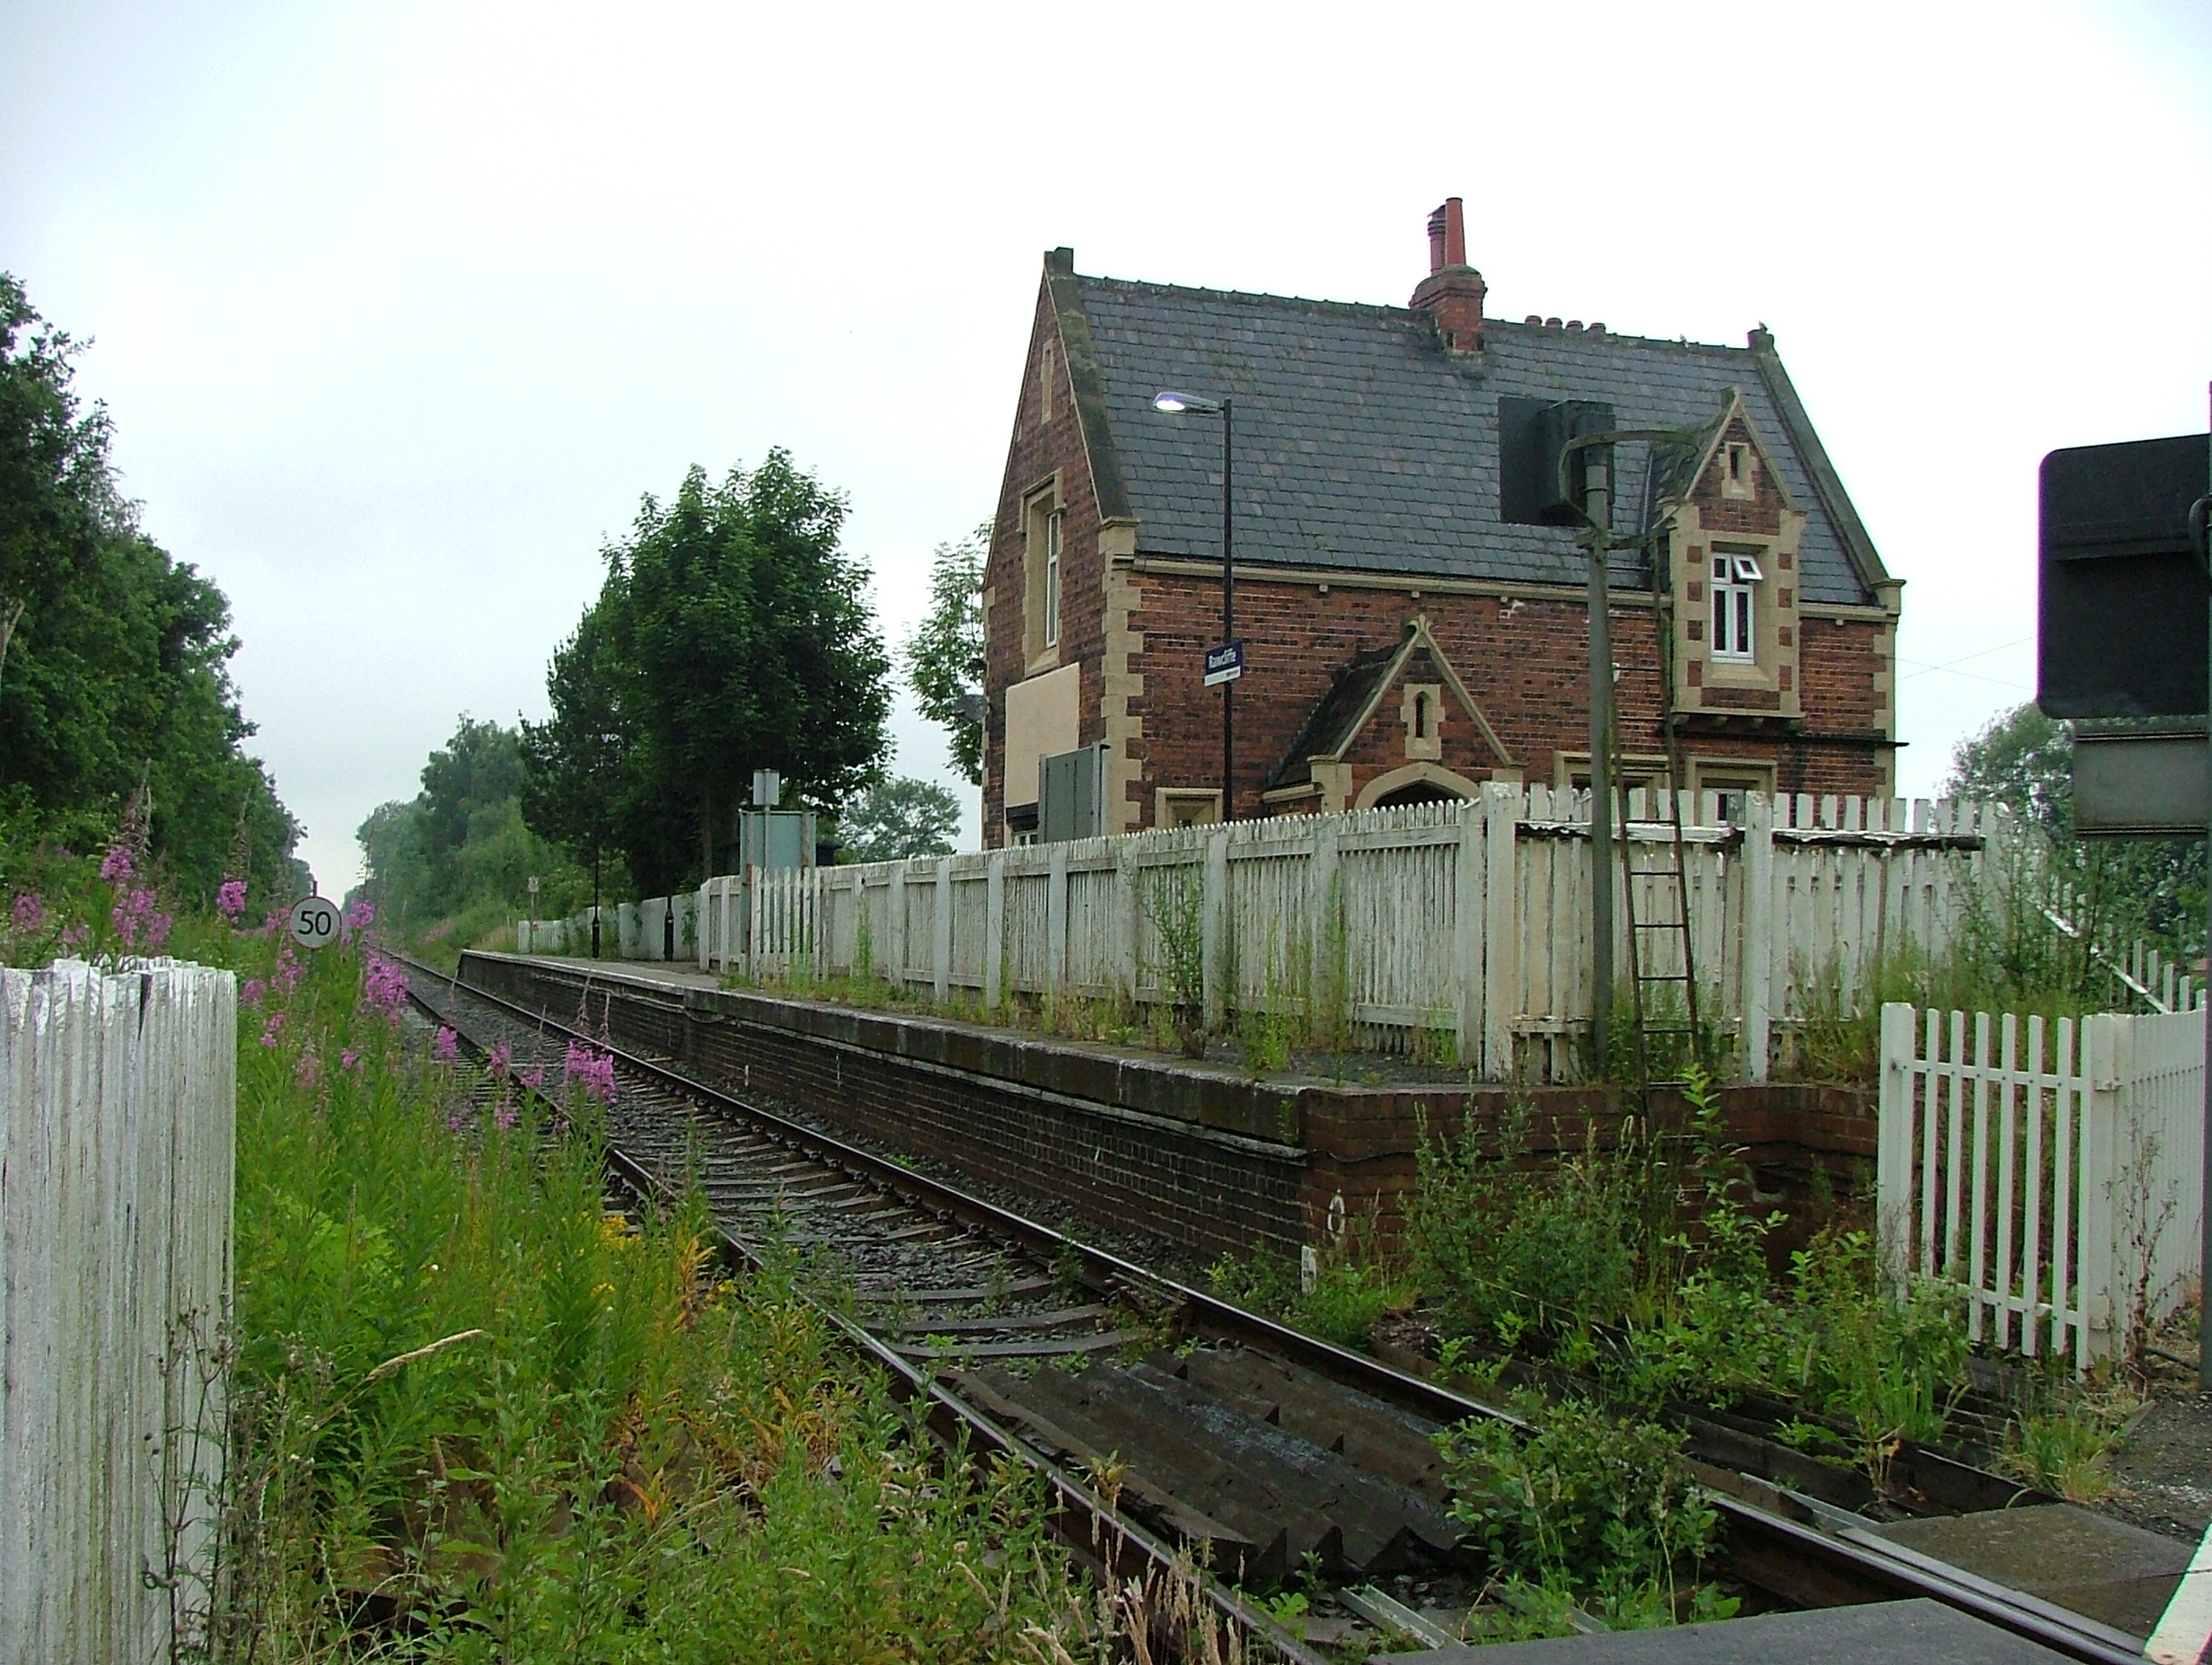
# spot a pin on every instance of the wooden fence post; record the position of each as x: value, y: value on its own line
x: 2104, y: 1044
x: 894, y: 924
x: 1331, y: 954
x: 995, y: 928
x: 1214, y: 925
x: 1758, y: 948
x: 1894, y: 1139
x: 1055, y: 919
x: 940, y: 931
x: 118, y: 1121
x: 1467, y: 934
x: 1501, y: 935
x: 1128, y: 919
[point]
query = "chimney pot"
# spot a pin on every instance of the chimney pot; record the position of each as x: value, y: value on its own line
x: 1574, y: 324
x: 1552, y: 324
x: 1452, y: 294
x: 1533, y: 318
x: 1597, y: 329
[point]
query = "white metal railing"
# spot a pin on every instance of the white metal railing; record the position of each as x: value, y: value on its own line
x: 1468, y: 920
x: 2049, y: 1171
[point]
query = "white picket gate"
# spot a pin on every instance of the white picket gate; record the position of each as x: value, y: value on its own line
x: 2049, y: 1171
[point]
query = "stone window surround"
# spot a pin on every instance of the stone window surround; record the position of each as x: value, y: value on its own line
x: 1421, y: 709
x: 1171, y: 806
x: 1041, y: 634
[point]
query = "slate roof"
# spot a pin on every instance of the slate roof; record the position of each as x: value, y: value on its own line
x: 1362, y: 446
x: 1330, y: 727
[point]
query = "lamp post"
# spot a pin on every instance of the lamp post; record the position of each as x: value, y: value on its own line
x: 1176, y: 405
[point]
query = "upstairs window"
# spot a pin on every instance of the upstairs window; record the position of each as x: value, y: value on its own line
x: 1735, y: 600
x: 1052, y: 579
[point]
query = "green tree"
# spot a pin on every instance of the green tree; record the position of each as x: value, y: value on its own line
x: 944, y: 655
x: 2150, y: 888
x: 733, y: 633
x: 898, y: 817
x: 459, y: 850
x: 117, y: 671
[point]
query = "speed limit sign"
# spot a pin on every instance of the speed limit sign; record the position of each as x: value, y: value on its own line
x: 314, y: 922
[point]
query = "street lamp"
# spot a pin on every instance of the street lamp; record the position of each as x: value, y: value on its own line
x: 1178, y: 404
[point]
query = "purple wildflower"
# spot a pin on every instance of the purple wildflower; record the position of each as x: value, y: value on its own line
x: 30, y: 911
x: 230, y: 899
x: 289, y: 969
x: 505, y: 1115
x: 500, y: 1061
x: 272, y: 1028
x: 74, y: 936
x: 594, y: 1071
x: 252, y: 993
x: 445, y: 1046
x: 533, y: 1078
x: 348, y: 1060
x: 116, y: 868
x: 307, y: 1072
x: 359, y: 915
x: 457, y: 1117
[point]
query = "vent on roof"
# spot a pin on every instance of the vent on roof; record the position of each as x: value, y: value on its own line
x: 1532, y: 436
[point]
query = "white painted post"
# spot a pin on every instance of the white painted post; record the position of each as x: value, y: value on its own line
x: 1055, y: 919
x: 995, y: 928
x: 1501, y: 948
x: 940, y: 932
x: 1331, y: 954
x: 1758, y: 956
x: 895, y: 926
x: 1894, y: 1139
x: 2103, y: 1056
x: 701, y: 927
x: 1467, y: 934
x: 1214, y: 926
x: 117, y: 1108
x: 1127, y: 921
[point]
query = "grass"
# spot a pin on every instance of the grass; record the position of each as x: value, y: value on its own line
x: 474, y: 1415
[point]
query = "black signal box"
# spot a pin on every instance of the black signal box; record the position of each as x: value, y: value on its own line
x: 2122, y: 595
x: 1533, y: 436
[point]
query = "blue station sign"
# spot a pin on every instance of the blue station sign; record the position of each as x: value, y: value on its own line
x: 1224, y: 663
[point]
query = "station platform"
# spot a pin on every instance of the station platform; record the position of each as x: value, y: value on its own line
x: 1882, y: 1633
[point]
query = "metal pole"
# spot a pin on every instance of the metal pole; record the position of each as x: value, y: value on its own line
x: 595, y: 901
x: 2197, y: 514
x: 1598, y: 504
x: 1228, y: 621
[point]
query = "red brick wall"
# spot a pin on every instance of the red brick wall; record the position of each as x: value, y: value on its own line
x: 1211, y: 1163
x: 1525, y: 665
x: 1038, y: 448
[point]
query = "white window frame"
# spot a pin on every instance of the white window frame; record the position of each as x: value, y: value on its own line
x: 1052, y: 548
x: 1733, y: 615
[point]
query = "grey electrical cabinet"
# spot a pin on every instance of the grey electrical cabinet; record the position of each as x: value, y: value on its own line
x: 1071, y: 795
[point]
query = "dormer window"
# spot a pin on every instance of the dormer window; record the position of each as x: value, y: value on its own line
x: 1735, y: 581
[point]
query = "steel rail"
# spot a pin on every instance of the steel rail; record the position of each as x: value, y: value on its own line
x: 1797, y: 1562
x: 1096, y: 1532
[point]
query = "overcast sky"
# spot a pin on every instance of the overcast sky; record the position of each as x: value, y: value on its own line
x: 400, y: 307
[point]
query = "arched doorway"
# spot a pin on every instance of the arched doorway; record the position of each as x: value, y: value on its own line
x: 1416, y: 783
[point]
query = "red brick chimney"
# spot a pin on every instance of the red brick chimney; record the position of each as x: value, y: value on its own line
x: 1453, y: 292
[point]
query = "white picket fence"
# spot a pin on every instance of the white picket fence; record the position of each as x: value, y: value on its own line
x: 116, y: 1149
x: 1466, y: 921
x: 2050, y: 1172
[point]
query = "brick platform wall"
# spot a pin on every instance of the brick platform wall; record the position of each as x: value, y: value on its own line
x: 1207, y: 1159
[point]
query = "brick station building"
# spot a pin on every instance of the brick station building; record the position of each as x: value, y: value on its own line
x: 1407, y: 640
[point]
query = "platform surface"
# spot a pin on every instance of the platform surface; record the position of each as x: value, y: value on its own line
x: 1882, y: 1633
x: 2089, y: 1564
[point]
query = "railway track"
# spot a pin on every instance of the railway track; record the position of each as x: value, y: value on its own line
x: 1162, y: 1417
